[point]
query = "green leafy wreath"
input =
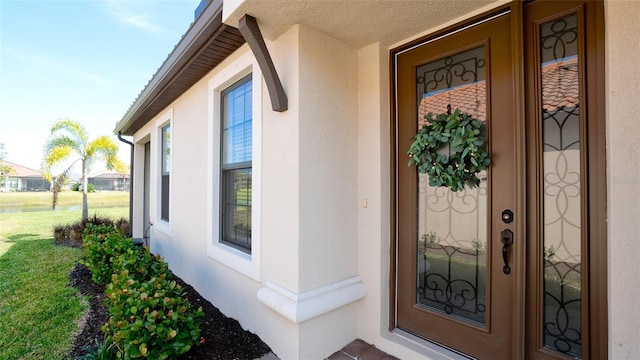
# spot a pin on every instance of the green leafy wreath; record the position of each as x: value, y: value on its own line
x: 467, y: 150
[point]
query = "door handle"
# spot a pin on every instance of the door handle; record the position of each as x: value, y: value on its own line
x: 507, y: 240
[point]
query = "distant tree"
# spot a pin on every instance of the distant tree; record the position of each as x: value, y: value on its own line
x: 69, y: 140
x: 5, y: 170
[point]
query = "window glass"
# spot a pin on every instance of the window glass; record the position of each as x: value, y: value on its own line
x: 236, y: 172
x: 451, y: 240
x: 166, y: 150
x: 236, y: 128
x: 166, y: 170
x: 236, y: 169
x: 561, y: 162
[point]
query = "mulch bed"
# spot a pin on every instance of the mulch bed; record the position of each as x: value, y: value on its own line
x: 224, y: 337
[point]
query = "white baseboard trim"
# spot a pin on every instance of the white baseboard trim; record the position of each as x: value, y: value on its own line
x: 300, y: 307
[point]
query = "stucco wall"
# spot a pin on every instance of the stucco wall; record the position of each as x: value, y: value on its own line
x: 183, y: 243
x: 310, y: 182
x: 307, y: 196
x: 280, y: 216
x: 623, y: 175
x: 328, y: 158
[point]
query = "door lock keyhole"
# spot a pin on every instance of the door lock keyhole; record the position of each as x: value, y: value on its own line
x: 507, y: 216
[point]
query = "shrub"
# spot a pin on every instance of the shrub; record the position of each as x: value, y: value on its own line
x: 60, y: 233
x: 148, y: 315
x: 150, y: 318
x: 78, y: 187
x: 123, y: 225
x: 75, y: 232
x: 140, y: 264
x: 102, y: 246
x: 105, y: 350
x: 95, y: 220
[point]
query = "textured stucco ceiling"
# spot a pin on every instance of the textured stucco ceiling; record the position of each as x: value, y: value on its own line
x: 356, y: 22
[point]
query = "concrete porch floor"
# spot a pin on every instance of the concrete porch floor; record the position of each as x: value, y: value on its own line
x: 355, y: 350
x: 360, y: 350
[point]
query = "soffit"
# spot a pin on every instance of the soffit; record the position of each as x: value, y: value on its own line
x: 205, y: 45
x: 357, y: 22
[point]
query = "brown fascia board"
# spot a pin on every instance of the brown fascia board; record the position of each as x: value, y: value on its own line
x: 208, y: 24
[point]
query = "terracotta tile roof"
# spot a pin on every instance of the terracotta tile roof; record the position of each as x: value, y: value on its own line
x: 21, y: 171
x: 470, y: 98
x: 560, y: 90
x: 560, y: 84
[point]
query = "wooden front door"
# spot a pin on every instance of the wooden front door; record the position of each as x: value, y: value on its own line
x: 452, y: 286
x: 507, y: 270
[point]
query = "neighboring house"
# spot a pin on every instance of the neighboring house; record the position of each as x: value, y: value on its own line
x: 22, y: 178
x: 275, y: 176
x: 109, y: 181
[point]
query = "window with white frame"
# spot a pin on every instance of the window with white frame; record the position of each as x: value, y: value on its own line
x: 165, y: 167
x: 236, y: 165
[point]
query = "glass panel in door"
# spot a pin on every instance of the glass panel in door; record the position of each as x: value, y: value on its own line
x: 561, y: 185
x: 452, y: 231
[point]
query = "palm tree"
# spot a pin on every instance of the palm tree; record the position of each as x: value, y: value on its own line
x: 69, y: 140
x: 5, y: 170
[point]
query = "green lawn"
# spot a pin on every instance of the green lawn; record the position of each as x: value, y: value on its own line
x: 65, y: 199
x: 38, y: 312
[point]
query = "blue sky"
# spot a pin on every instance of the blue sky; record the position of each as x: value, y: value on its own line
x: 82, y: 59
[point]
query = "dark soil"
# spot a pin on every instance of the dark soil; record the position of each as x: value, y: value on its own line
x: 224, y: 337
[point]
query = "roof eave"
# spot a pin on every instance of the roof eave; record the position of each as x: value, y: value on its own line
x: 206, y: 26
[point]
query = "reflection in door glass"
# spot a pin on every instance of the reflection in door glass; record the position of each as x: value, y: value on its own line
x: 561, y: 193
x: 452, y: 226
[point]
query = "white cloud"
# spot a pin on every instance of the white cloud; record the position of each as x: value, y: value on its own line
x: 125, y: 13
x: 56, y: 65
x: 141, y: 22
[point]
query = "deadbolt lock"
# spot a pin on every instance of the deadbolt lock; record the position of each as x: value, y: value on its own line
x: 507, y: 216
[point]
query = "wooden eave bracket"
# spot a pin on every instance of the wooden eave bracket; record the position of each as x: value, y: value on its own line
x: 249, y: 29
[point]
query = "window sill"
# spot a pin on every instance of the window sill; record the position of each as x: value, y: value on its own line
x: 236, y: 259
x: 162, y: 226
